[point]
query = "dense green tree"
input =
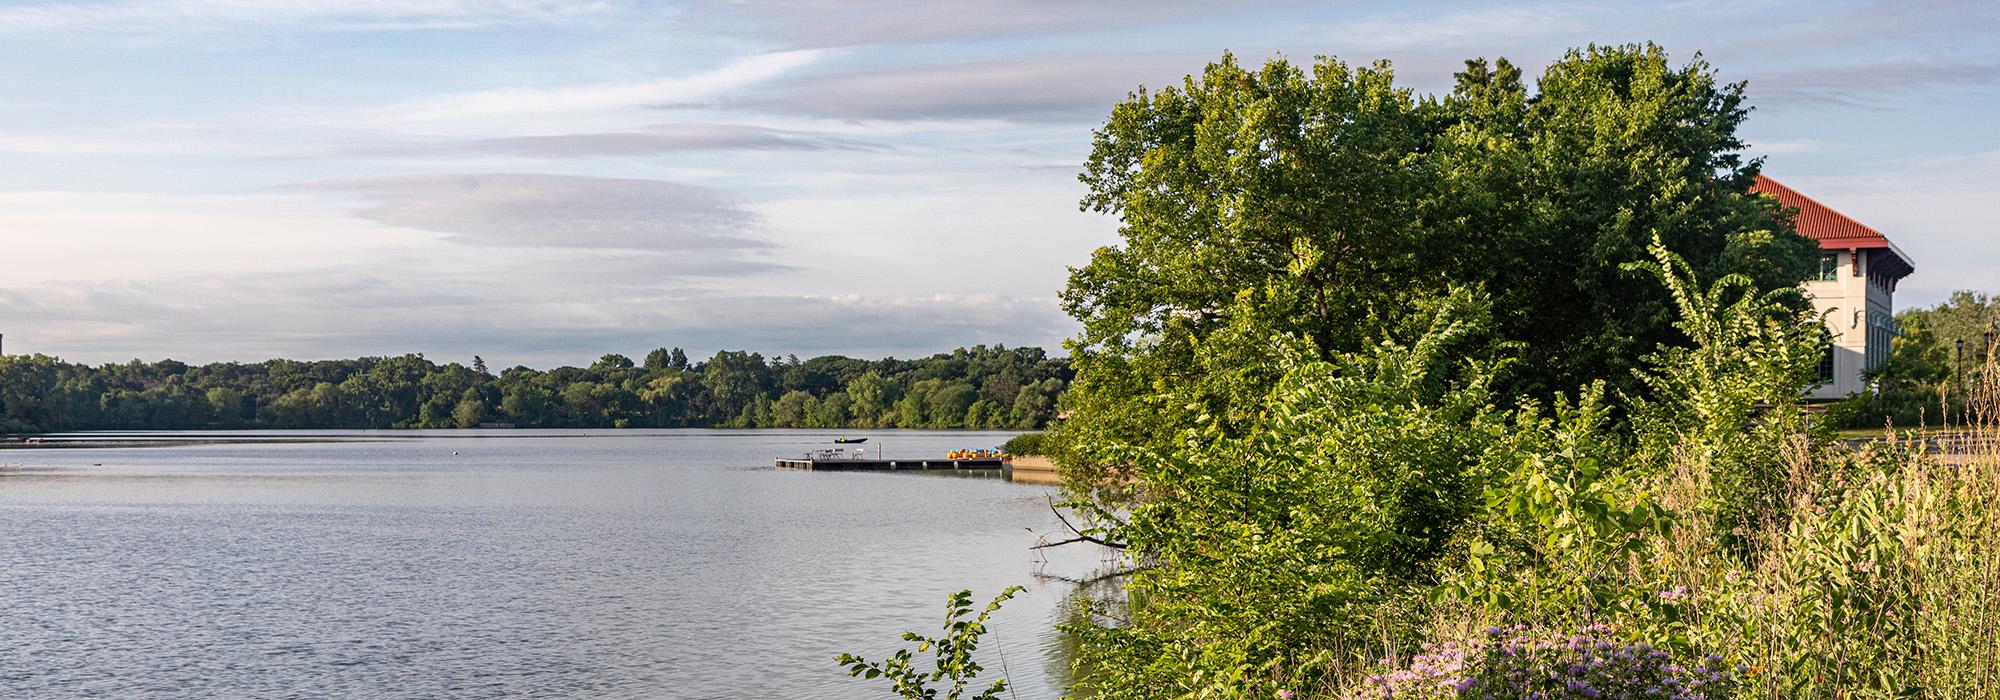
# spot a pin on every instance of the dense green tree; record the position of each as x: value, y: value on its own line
x: 1928, y: 377
x: 658, y: 359
x: 1035, y: 403
x: 910, y: 409
x: 734, y: 380
x: 527, y: 403
x: 470, y: 411
x: 226, y: 405
x: 835, y: 411
x: 1967, y: 316
x: 1543, y: 200
x: 945, y: 405
x: 873, y: 396
x: 792, y: 409
x: 1326, y: 204
x: 613, y: 361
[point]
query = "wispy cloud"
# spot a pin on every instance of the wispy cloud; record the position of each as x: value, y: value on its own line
x: 1049, y: 87
x: 823, y: 23
x: 72, y: 145
x: 184, y: 16
x: 1786, y: 147
x: 56, y: 235
x: 518, y: 101
x: 647, y: 140
x: 547, y: 316
x: 1872, y: 84
x: 1423, y: 27
x: 559, y: 211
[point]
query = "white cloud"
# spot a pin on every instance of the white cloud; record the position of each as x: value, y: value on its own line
x: 196, y: 16
x: 71, y: 145
x: 645, y: 140
x: 519, y: 101
x: 123, y: 235
x: 845, y: 23
x: 1873, y: 84
x: 1490, y: 27
x: 564, y: 311
x: 559, y: 211
x: 1786, y: 147
x: 1079, y: 87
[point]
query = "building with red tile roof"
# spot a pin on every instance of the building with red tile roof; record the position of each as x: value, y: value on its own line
x: 1854, y: 289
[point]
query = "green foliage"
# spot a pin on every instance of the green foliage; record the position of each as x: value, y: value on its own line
x: 1026, y: 444
x: 1383, y: 499
x: 1560, y: 520
x: 1289, y: 550
x: 1728, y: 402
x: 1308, y: 503
x: 41, y: 393
x: 952, y: 652
x: 1321, y: 203
x: 1927, y: 378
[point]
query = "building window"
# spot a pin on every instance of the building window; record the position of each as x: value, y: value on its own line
x: 1829, y: 267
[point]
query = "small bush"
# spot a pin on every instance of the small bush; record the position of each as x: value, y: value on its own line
x: 1027, y: 444
x: 952, y: 652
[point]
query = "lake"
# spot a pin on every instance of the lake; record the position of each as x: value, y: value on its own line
x: 519, y: 563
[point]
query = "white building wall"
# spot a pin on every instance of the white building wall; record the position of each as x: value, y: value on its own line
x: 1859, y: 316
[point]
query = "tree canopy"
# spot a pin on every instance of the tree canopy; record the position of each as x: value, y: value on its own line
x: 1325, y: 204
x: 978, y: 387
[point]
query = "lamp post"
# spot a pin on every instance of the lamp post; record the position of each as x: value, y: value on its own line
x: 1958, y: 365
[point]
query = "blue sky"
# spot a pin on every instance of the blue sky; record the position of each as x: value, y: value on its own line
x: 542, y: 181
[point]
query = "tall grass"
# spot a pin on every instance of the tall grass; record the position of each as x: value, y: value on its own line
x: 1885, y: 582
x: 1879, y: 578
x: 1386, y: 529
x: 1748, y: 541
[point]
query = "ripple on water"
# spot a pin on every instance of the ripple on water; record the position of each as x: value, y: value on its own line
x: 634, y: 564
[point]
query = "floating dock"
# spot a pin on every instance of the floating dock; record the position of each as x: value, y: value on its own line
x: 845, y: 464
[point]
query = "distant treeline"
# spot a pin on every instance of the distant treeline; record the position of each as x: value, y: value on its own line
x: 978, y: 387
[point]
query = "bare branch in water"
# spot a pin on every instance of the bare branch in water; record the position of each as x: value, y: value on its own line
x: 1081, y: 536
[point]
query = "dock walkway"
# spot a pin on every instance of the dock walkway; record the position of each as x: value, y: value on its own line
x: 850, y: 464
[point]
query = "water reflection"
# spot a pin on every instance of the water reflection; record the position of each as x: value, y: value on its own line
x: 1096, y: 599
x: 640, y: 564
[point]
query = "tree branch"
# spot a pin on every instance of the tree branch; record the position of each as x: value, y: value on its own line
x: 1081, y: 536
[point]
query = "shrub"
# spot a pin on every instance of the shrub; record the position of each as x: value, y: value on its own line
x: 1285, y: 552
x: 1027, y: 444
x: 952, y: 652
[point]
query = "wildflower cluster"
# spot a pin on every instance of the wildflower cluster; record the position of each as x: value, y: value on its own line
x: 1518, y: 663
x: 1439, y: 673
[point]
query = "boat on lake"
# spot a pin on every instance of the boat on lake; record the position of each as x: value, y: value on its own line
x: 849, y: 441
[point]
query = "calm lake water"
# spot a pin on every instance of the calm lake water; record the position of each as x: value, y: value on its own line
x: 621, y: 564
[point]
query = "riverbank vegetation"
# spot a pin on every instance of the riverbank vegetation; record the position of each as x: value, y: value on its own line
x: 979, y: 387
x: 1493, y: 394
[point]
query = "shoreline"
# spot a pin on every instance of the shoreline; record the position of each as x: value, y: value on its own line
x: 98, y: 443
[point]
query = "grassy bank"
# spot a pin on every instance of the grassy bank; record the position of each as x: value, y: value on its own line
x: 1387, y: 528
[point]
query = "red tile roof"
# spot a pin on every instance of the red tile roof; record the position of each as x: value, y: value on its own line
x: 1833, y: 230
x: 1820, y: 222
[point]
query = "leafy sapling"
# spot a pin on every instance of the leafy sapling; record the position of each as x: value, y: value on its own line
x: 953, y: 651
